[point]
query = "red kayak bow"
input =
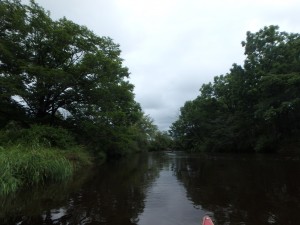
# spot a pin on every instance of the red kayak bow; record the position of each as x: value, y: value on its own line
x: 207, y: 221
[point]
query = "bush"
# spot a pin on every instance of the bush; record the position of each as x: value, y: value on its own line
x: 36, y: 135
x: 27, y: 167
x: 161, y: 142
x: 266, y: 143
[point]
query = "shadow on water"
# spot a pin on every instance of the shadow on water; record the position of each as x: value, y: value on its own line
x: 167, y: 189
x: 243, y: 190
x: 113, y: 193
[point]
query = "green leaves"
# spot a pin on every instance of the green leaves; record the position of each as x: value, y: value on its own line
x: 57, y: 63
x: 63, y: 74
x: 251, y: 108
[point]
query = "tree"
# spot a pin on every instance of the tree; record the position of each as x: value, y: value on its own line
x: 54, y: 65
x: 161, y: 142
x: 274, y: 62
x: 63, y: 74
x: 251, y: 108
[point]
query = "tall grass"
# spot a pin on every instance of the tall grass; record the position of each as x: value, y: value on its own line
x: 31, y: 166
x: 36, y: 156
x: 8, y: 183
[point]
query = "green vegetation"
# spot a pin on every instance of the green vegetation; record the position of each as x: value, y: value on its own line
x: 61, y: 74
x: 253, y: 108
x: 37, y: 156
x: 161, y: 142
x: 64, y: 98
x: 35, y: 166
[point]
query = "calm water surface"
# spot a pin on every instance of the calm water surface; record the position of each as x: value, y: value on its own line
x: 167, y: 188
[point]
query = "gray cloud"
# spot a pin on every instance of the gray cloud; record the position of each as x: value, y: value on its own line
x: 172, y: 47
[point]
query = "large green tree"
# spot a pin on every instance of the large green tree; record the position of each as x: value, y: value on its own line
x: 254, y: 107
x: 52, y: 65
x: 61, y: 73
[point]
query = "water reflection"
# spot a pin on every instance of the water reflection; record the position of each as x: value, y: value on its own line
x: 243, y: 189
x: 111, y: 194
x: 166, y: 203
x: 165, y: 189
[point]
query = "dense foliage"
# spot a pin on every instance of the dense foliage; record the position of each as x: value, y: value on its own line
x: 60, y: 74
x: 161, y: 142
x: 254, y: 107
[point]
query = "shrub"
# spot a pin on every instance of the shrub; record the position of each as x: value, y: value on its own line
x: 36, y: 135
x: 27, y: 167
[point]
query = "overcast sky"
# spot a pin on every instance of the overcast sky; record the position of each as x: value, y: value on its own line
x: 172, y: 47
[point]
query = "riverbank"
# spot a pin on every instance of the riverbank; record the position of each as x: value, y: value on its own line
x: 23, y: 166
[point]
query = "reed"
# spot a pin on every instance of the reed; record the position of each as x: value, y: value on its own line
x: 8, y: 183
x: 78, y: 156
x: 21, y: 167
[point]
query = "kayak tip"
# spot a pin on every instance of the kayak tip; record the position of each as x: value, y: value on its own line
x: 207, y: 221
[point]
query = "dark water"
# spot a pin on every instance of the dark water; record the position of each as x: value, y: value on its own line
x: 165, y: 189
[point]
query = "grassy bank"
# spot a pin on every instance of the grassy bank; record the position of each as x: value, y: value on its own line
x: 30, y: 166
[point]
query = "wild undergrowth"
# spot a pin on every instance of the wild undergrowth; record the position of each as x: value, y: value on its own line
x: 32, y: 166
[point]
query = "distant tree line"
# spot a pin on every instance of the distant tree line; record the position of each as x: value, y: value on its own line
x: 64, y: 78
x: 252, y: 108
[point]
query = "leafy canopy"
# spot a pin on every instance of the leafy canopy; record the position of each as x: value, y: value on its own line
x: 61, y: 73
x: 254, y: 107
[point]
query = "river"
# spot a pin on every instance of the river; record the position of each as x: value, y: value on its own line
x: 170, y: 188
